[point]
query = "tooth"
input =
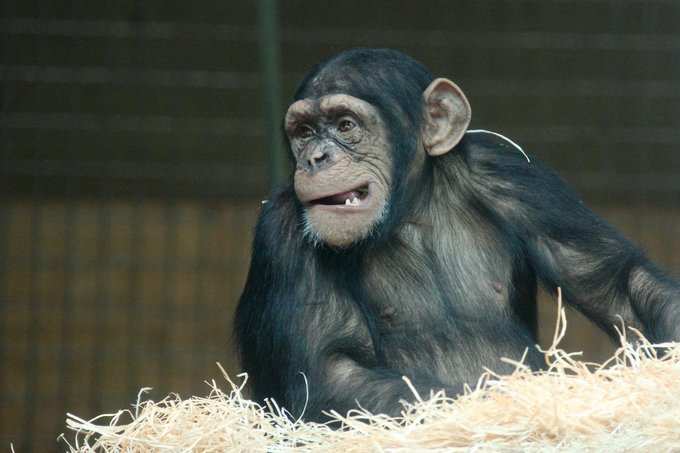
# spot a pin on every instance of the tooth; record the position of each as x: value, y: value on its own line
x: 355, y: 201
x: 348, y: 203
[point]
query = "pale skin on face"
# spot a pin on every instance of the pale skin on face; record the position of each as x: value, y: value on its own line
x: 357, y: 154
x: 361, y: 163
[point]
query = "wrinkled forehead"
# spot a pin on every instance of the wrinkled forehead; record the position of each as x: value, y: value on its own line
x: 328, y: 105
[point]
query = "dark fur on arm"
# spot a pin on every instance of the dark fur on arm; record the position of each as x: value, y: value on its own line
x: 267, y: 306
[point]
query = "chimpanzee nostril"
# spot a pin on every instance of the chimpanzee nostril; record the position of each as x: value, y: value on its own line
x: 317, y: 158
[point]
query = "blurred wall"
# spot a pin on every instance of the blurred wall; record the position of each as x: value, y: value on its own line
x: 133, y: 162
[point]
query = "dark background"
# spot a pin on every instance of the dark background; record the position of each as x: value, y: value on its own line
x: 134, y: 147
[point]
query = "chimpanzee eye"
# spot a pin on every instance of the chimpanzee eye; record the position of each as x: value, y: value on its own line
x: 304, y: 131
x: 346, y: 125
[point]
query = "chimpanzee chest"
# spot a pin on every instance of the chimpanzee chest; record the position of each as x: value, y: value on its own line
x: 442, y: 315
x: 407, y: 292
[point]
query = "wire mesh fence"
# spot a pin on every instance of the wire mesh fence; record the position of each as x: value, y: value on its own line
x: 104, y: 297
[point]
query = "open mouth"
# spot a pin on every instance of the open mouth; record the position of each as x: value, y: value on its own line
x: 352, y: 197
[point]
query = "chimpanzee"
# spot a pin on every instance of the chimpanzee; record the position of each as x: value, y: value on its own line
x: 406, y: 245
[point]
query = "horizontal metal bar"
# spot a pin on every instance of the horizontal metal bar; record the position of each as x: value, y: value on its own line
x: 125, y: 29
x: 204, y: 172
x: 251, y: 127
x: 130, y: 76
x: 396, y: 37
x: 505, y: 87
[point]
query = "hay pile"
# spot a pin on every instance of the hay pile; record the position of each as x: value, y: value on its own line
x: 630, y: 403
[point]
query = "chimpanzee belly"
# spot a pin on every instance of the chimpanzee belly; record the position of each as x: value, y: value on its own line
x: 454, y: 352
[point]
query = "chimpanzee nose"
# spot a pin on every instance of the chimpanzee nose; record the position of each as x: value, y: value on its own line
x: 318, y: 160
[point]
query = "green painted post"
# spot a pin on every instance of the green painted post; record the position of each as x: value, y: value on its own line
x: 271, y: 73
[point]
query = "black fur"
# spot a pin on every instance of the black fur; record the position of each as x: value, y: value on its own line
x: 449, y: 286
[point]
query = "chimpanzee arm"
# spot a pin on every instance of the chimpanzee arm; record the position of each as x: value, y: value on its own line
x: 263, y: 314
x: 347, y: 384
x: 599, y: 271
x: 289, y: 328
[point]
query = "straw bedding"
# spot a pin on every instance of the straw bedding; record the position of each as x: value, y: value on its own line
x: 629, y: 403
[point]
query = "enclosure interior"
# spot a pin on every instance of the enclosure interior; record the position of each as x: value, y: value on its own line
x: 135, y: 152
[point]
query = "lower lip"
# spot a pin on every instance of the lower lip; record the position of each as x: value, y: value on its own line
x: 340, y: 208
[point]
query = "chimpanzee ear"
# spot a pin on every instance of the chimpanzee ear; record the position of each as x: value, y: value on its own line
x: 447, y: 116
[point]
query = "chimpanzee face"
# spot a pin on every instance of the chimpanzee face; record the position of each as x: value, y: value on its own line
x: 343, y: 167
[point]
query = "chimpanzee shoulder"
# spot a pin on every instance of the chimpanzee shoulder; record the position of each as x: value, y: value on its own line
x: 500, y: 170
x: 278, y: 222
x: 488, y: 152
